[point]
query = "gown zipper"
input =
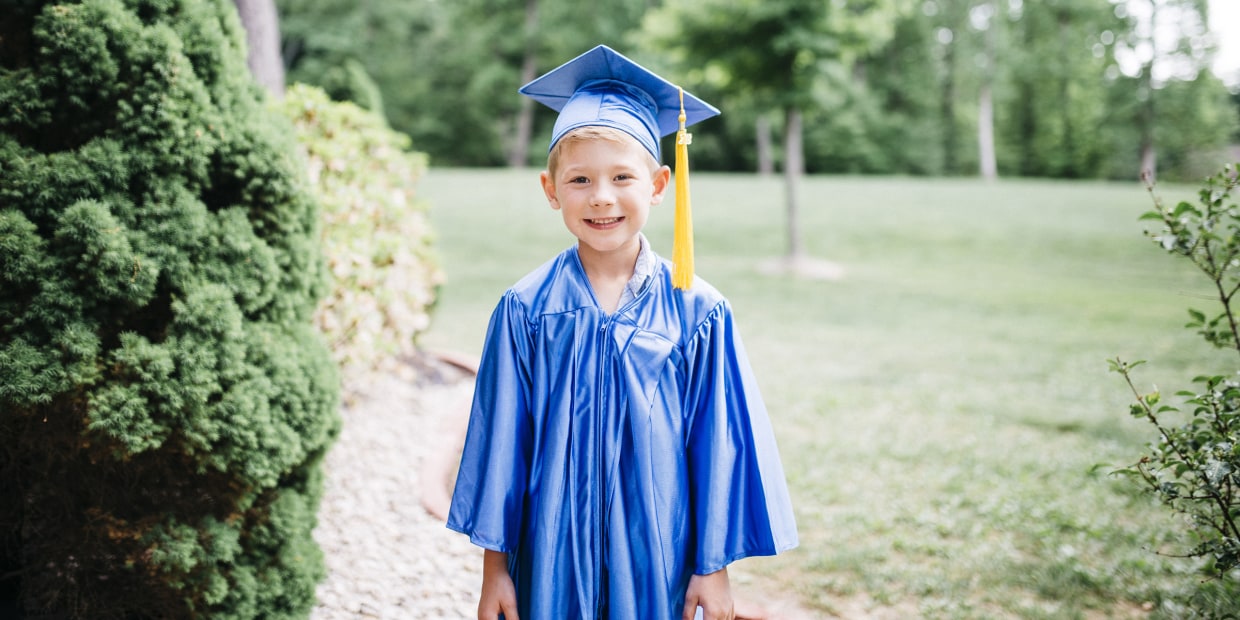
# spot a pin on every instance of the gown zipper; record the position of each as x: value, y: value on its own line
x: 600, y: 420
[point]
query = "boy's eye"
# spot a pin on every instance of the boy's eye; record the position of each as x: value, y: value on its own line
x: 579, y: 180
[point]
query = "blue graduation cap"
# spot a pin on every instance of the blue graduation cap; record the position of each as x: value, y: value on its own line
x: 602, y: 87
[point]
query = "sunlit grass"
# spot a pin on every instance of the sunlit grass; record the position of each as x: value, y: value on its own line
x: 942, y: 407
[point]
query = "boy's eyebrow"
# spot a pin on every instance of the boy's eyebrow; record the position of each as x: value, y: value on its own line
x: 579, y: 168
x: 571, y: 168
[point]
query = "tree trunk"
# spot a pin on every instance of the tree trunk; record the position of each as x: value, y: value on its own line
x: 947, y: 111
x: 520, y: 147
x: 1068, y: 165
x: 794, y: 169
x: 1145, y: 117
x: 1145, y: 121
x: 766, y: 151
x: 987, y: 167
x: 1026, y: 112
x: 262, y: 38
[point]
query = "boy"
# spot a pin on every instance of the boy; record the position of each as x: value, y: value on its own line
x: 618, y: 455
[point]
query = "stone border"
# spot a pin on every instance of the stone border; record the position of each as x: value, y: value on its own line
x: 439, y: 468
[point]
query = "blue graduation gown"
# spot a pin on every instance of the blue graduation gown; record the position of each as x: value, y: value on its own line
x: 613, y: 456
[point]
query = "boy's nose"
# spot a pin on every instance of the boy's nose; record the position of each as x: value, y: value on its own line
x: 603, y: 195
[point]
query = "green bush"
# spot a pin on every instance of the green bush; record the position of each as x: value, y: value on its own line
x: 376, y: 235
x: 1193, y: 467
x: 165, y: 400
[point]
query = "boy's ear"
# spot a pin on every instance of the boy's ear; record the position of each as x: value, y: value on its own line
x: 548, y: 185
x: 662, y: 177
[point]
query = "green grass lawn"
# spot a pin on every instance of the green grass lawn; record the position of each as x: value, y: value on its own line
x: 941, y: 408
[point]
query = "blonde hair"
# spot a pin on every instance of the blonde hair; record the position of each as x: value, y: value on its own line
x: 595, y: 132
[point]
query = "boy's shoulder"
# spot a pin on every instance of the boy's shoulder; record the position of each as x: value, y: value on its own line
x: 558, y: 285
x: 698, y: 301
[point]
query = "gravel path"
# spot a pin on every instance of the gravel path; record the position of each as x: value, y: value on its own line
x: 387, y: 556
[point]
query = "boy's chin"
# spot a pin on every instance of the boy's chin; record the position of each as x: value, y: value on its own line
x: 608, y: 246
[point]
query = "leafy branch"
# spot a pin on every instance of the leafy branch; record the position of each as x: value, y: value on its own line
x: 1194, y: 467
x: 1207, y: 235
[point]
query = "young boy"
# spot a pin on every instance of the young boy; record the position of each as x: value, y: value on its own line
x: 618, y: 455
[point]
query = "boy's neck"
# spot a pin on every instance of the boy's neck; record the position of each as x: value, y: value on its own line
x: 617, y: 263
x: 609, y: 272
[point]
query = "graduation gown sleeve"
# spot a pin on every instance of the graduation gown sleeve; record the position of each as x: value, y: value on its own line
x: 738, y: 495
x: 488, y: 501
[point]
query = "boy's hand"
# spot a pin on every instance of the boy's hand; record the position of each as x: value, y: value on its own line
x: 713, y: 593
x: 499, y: 595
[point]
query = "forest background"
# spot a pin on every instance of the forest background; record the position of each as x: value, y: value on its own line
x: 1048, y: 88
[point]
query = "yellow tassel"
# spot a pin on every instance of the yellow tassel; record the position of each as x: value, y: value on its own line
x: 682, y: 244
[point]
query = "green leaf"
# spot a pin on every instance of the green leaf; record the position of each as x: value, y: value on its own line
x: 1182, y: 208
x: 1170, y: 489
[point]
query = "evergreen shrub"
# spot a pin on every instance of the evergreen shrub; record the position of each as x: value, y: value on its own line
x: 165, y: 400
x: 376, y: 234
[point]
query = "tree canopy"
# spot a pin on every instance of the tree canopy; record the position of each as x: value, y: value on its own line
x: 884, y: 86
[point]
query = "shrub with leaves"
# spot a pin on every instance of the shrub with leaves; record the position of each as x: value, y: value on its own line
x: 1193, y: 467
x: 165, y: 399
x: 376, y: 234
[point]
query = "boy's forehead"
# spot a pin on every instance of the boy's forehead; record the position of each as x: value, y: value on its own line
x: 603, y: 88
x: 615, y: 146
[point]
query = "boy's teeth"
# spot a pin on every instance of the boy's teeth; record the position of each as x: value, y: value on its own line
x: 606, y: 221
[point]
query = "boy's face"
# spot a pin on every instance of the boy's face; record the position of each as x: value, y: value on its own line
x: 604, y: 190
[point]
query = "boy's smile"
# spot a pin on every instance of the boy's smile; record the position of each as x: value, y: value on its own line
x: 605, y: 223
x: 604, y: 190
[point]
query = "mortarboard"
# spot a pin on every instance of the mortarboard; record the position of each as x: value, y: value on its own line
x: 603, y: 88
